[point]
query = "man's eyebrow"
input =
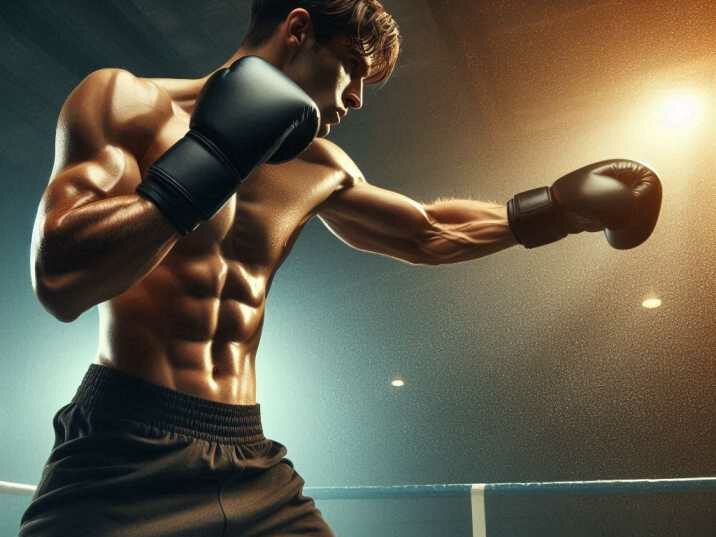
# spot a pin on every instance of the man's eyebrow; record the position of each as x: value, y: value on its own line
x: 354, y: 54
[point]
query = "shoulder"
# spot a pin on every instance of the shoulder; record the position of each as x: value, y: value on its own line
x: 327, y: 153
x: 114, y: 105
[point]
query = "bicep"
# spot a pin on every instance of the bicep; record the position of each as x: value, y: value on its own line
x: 378, y: 220
x: 89, y: 162
x: 80, y: 183
x: 88, y: 167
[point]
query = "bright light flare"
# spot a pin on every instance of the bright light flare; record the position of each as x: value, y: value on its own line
x: 681, y: 109
x: 651, y: 303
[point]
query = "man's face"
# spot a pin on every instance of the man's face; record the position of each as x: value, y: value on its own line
x: 332, y: 75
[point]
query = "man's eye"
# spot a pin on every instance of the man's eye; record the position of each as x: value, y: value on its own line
x: 353, y: 67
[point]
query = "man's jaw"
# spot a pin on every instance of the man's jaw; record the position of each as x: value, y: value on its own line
x: 323, y: 130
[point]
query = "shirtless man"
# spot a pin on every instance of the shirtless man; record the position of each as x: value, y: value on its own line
x: 164, y: 434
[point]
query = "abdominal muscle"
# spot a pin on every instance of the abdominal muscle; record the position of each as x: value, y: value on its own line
x: 191, y: 326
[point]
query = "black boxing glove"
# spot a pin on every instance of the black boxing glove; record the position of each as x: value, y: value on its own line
x: 621, y: 197
x: 245, y: 115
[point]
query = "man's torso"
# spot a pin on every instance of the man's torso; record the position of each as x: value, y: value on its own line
x: 193, y: 324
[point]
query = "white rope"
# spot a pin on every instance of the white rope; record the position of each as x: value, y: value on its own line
x: 16, y: 488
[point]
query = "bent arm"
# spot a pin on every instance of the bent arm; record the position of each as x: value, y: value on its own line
x: 93, y: 237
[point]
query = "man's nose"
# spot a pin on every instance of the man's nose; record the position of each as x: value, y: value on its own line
x: 353, y: 97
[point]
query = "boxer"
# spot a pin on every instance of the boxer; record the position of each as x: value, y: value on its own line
x: 172, y: 204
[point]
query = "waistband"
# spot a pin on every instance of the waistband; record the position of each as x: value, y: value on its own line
x: 111, y: 393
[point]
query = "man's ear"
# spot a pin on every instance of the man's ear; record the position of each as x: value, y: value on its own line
x: 299, y: 27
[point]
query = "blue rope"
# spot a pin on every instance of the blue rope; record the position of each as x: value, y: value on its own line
x: 571, y: 487
x: 373, y: 492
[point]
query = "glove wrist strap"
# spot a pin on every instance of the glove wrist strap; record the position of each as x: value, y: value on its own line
x: 534, y: 218
x: 190, y: 182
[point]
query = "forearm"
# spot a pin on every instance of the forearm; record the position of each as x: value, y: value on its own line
x: 99, y: 251
x: 462, y: 230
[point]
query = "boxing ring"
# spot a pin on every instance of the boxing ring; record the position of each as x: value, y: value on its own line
x: 674, y: 507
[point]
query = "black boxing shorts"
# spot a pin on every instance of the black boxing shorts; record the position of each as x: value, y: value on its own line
x: 134, y: 459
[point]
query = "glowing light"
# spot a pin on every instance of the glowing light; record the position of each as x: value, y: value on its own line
x: 397, y: 383
x: 651, y: 303
x: 681, y: 109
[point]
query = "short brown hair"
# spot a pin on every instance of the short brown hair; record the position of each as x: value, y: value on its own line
x: 372, y: 30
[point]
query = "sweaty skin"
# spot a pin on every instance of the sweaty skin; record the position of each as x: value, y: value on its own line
x: 187, y: 312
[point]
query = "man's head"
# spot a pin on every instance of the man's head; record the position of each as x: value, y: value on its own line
x: 330, y: 48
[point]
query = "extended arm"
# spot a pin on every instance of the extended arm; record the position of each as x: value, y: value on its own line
x: 374, y: 219
x: 621, y: 197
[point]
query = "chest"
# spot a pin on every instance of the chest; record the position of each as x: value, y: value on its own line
x: 259, y: 223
